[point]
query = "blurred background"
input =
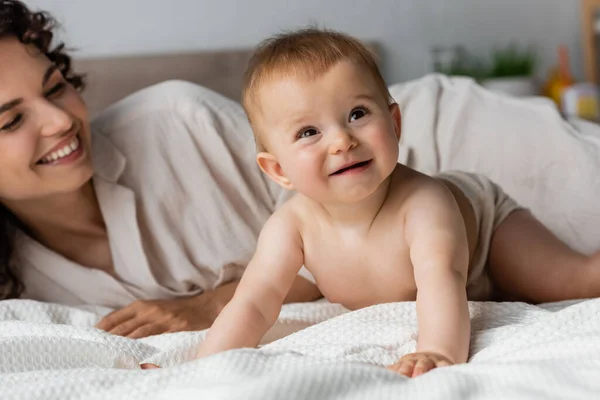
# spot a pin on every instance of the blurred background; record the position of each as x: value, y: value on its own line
x: 407, y: 30
x: 543, y: 41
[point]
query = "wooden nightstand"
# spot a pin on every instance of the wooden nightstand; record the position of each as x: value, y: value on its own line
x: 589, y: 9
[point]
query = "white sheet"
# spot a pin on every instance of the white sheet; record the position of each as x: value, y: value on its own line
x: 518, y: 351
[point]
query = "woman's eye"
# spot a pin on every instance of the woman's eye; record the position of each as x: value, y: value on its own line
x: 12, y: 124
x: 307, y: 133
x: 357, y: 113
x: 56, y: 89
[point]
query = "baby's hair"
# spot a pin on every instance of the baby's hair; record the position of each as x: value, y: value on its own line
x: 307, y: 53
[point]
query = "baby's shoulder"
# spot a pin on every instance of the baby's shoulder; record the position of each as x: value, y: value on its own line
x: 292, y: 213
x: 301, y: 207
x: 283, y: 226
x: 411, y: 189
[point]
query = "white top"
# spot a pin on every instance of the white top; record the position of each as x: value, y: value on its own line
x: 182, y: 198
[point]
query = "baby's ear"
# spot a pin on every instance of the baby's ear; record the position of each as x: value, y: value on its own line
x: 270, y: 166
x: 396, y: 119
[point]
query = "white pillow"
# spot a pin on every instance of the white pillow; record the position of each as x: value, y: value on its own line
x: 539, y: 159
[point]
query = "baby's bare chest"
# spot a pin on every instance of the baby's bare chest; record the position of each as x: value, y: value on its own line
x: 359, y: 272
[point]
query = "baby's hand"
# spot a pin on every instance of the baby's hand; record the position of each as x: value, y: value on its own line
x: 416, y: 364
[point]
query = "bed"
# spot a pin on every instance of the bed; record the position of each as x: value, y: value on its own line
x: 110, y: 79
x: 320, y: 350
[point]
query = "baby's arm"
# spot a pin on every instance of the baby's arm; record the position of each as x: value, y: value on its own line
x: 257, y: 301
x: 436, y: 236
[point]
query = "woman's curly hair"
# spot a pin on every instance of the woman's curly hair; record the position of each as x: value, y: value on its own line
x: 31, y: 28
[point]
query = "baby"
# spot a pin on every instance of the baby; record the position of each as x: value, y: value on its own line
x: 371, y: 230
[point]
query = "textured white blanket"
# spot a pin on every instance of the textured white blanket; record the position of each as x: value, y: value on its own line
x: 517, y: 351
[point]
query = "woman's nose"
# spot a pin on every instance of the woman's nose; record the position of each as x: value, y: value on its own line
x: 54, y: 120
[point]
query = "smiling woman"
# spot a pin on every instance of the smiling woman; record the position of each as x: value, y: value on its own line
x: 24, y: 36
x: 154, y: 214
x: 38, y: 126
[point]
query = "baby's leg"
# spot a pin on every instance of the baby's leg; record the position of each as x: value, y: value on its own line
x: 529, y: 263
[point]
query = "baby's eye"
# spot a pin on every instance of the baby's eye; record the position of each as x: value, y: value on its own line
x: 12, y: 124
x: 308, y: 132
x: 357, y: 113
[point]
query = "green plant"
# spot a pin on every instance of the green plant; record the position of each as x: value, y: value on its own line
x: 508, y: 61
x: 513, y: 61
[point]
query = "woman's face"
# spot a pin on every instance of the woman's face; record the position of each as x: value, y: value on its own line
x: 44, y: 127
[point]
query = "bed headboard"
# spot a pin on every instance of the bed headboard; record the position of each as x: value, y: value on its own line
x: 111, y: 78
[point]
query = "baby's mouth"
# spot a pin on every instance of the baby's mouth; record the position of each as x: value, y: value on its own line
x: 61, y: 152
x: 353, y: 166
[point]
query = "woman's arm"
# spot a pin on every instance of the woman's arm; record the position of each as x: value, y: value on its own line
x: 145, y: 318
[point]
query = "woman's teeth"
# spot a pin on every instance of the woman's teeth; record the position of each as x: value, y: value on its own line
x: 62, y: 152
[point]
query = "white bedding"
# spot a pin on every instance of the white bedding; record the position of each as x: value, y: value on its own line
x: 543, y: 162
x: 518, y: 351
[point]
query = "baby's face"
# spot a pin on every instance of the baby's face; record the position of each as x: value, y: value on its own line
x: 335, y: 137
